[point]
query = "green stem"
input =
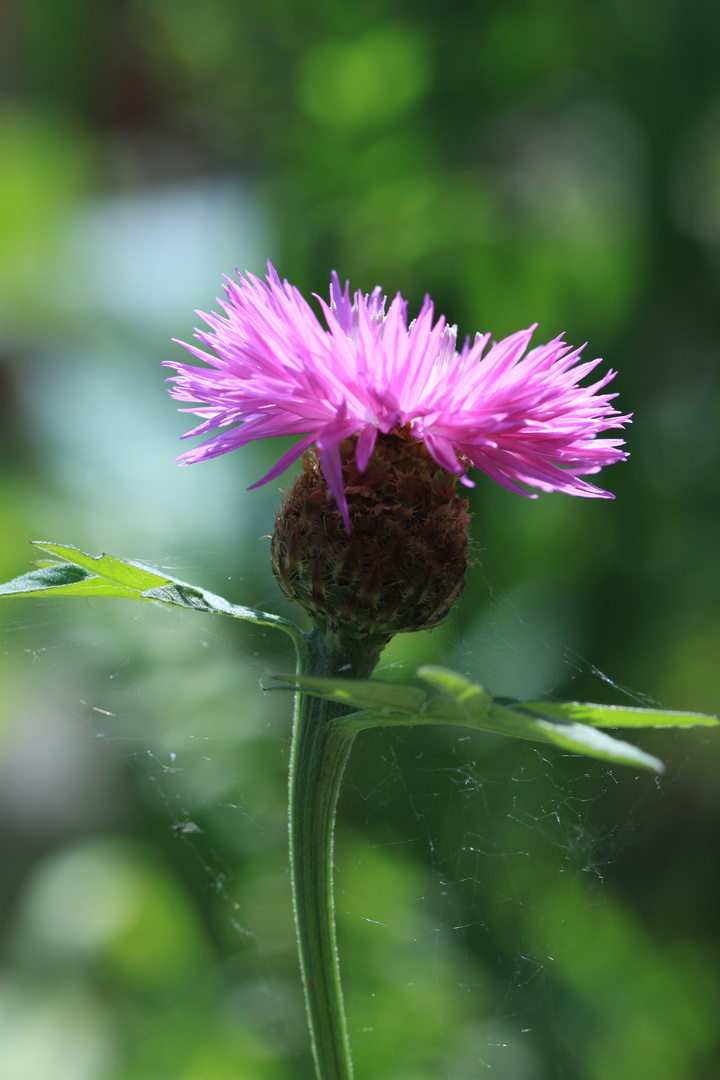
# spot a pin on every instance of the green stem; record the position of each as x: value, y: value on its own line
x: 320, y: 749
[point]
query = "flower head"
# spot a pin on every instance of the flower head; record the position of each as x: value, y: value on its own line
x: 521, y: 417
x: 399, y: 567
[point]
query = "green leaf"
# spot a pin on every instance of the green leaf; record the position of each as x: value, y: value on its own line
x: 371, y: 695
x: 467, y: 701
x: 133, y: 576
x: 615, y: 715
x: 578, y: 738
x: 103, y: 575
x: 455, y: 699
x: 461, y: 701
x: 64, y: 579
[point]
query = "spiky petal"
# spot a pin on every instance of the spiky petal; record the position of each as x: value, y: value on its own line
x: 519, y: 416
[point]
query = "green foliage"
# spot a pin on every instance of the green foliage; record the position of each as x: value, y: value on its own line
x: 457, y: 700
x: 617, y: 715
x: 376, y: 697
x: 374, y: 79
x: 47, y: 169
x: 569, y: 725
x: 660, y: 1015
x: 104, y: 575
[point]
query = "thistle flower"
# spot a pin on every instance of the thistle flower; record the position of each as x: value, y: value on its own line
x: 520, y: 417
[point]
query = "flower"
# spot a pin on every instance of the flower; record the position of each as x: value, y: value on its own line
x: 520, y: 417
x: 399, y: 567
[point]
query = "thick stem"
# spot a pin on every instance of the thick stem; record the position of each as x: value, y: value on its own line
x: 319, y: 752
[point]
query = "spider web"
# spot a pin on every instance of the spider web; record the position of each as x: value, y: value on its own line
x: 465, y: 862
x: 480, y: 881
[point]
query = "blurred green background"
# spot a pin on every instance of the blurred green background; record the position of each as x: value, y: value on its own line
x: 503, y: 911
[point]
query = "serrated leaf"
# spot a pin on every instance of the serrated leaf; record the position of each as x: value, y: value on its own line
x: 366, y: 694
x: 104, y: 575
x: 616, y: 715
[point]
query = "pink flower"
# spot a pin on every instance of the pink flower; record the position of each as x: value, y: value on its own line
x: 521, y: 417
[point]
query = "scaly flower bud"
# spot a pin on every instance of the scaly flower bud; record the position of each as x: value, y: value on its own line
x: 402, y: 564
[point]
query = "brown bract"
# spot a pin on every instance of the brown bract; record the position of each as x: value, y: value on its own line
x: 402, y: 565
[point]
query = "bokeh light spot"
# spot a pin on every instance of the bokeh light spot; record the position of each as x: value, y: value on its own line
x: 372, y: 80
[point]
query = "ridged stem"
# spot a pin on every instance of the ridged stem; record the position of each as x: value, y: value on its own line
x: 319, y: 751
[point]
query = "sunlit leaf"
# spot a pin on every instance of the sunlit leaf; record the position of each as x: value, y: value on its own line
x: 456, y: 700
x: 65, y: 579
x: 371, y: 695
x: 461, y: 701
x: 578, y: 738
x: 616, y: 715
x: 134, y: 576
x: 466, y: 700
x: 104, y: 575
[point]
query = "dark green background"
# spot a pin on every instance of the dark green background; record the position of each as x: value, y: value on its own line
x: 502, y: 912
